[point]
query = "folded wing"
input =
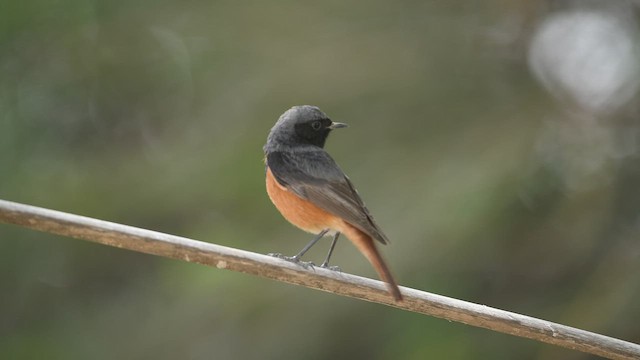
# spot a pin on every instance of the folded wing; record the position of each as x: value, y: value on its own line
x: 313, y: 175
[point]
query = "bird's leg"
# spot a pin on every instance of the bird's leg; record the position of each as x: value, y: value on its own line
x: 309, y: 245
x: 296, y: 258
x: 325, y: 263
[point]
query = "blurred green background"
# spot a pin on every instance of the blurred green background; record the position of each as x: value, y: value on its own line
x: 496, y: 142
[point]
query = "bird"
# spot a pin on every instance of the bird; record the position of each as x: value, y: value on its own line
x: 311, y: 191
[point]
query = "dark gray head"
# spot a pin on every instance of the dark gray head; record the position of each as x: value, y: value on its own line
x: 300, y: 126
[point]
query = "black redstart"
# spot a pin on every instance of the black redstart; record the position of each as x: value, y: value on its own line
x: 311, y: 191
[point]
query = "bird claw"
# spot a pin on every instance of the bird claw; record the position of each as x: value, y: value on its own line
x: 294, y: 259
x: 332, y: 268
x: 306, y: 264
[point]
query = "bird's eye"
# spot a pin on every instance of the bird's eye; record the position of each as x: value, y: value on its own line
x: 316, y: 125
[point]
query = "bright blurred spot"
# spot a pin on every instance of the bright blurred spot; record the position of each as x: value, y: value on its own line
x: 589, y: 56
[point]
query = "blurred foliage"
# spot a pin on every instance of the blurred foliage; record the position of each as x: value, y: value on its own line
x: 154, y: 114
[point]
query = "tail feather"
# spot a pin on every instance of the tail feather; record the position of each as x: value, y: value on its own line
x: 367, y: 247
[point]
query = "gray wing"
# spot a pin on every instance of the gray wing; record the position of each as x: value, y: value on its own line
x: 314, y: 176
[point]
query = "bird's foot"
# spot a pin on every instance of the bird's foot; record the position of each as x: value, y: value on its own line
x: 294, y: 259
x: 332, y: 268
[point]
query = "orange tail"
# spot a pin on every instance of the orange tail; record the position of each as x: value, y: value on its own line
x: 365, y: 244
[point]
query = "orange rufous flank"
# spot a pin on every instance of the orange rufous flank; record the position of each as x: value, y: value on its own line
x: 311, y: 218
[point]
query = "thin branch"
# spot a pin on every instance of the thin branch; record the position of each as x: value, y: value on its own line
x: 221, y: 257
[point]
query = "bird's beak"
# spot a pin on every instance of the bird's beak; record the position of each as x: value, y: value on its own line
x: 337, y: 125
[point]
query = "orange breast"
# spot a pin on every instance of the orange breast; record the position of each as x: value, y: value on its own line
x: 300, y: 212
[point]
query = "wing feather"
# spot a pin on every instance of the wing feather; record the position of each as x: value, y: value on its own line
x: 313, y: 175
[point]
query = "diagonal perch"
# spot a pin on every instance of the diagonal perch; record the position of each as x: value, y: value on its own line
x: 180, y: 248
